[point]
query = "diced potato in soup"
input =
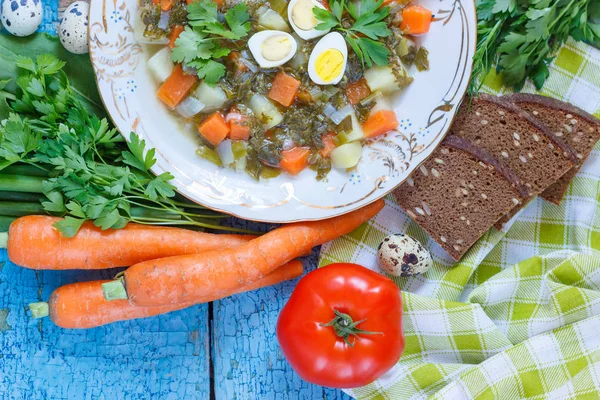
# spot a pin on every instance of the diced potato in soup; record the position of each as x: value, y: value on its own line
x: 277, y: 86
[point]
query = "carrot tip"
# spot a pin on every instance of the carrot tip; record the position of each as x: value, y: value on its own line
x: 114, y: 290
x: 39, y: 310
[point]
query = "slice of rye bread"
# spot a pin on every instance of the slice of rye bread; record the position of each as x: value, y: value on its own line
x: 575, y: 127
x: 512, y: 136
x: 458, y: 193
x: 518, y: 140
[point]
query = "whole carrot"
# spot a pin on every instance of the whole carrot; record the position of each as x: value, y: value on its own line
x: 34, y: 243
x: 82, y: 305
x: 196, y: 278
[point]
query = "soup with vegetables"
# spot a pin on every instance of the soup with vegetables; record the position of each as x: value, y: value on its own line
x: 277, y: 86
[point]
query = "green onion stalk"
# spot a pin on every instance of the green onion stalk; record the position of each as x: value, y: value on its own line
x: 21, y: 194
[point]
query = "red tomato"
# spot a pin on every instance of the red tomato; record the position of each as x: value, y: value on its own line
x: 342, y: 326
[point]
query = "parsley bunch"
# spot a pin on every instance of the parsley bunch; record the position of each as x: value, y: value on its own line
x: 202, y: 41
x: 521, y: 37
x: 92, y: 173
x: 366, y: 29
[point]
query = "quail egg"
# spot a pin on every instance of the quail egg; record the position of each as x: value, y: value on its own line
x: 302, y: 19
x: 327, y: 61
x: 401, y: 255
x: 272, y: 48
x: 21, y: 17
x: 73, y: 29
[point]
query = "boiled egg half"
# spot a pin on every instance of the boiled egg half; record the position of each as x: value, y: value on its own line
x: 327, y: 61
x: 272, y: 48
x: 302, y: 19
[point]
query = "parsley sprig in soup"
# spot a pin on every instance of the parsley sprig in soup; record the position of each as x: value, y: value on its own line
x: 277, y: 86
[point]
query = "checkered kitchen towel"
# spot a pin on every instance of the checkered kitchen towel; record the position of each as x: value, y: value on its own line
x: 519, y: 316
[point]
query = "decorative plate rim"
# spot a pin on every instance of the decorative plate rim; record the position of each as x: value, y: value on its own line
x: 182, y: 189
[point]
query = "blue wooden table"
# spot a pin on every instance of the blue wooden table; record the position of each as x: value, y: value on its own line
x: 224, y: 350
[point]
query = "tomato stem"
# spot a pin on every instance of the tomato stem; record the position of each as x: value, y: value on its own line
x: 344, y: 327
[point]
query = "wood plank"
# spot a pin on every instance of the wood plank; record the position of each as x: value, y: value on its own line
x: 247, y: 360
x: 164, y: 357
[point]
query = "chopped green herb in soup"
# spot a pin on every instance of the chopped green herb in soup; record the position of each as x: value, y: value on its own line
x: 279, y: 87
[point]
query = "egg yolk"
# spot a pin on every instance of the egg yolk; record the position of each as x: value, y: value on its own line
x: 303, y: 16
x: 328, y: 65
x: 276, y: 47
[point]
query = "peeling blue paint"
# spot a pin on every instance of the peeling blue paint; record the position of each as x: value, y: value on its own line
x: 165, y: 357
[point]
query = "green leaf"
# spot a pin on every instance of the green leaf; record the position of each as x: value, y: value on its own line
x: 75, y: 209
x: 48, y: 64
x: 36, y: 88
x: 25, y: 63
x: 538, y: 26
x: 238, y: 20
x: 111, y: 219
x: 327, y: 19
x: 202, y: 12
x: 502, y: 6
x: 512, y: 41
x: 373, y: 51
x: 514, y: 68
x: 69, y: 226
x: 17, y: 140
x: 209, y: 70
x: 135, y: 156
x: 355, y: 46
x: 374, y: 30
x: 337, y: 9
x: 95, y: 207
x: 160, y: 187
x: 55, y: 204
x: 192, y: 44
x: 81, y: 74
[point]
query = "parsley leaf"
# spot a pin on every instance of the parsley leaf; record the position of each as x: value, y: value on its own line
x: 521, y: 38
x: 192, y: 44
x: 94, y: 174
x: 369, y: 21
x: 238, y: 20
x: 202, y: 43
x: 209, y: 70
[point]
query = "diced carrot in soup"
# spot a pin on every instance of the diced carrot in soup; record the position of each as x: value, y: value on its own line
x: 239, y: 128
x: 239, y: 131
x: 214, y: 128
x: 175, y: 32
x: 328, y: 144
x: 379, y: 123
x: 416, y: 20
x: 166, y: 5
x: 176, y: 87
x: 357, y: 91
x: 293, y: 161
x: 284, y: 89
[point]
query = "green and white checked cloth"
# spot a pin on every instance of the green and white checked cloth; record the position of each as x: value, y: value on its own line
x: 519, y: 316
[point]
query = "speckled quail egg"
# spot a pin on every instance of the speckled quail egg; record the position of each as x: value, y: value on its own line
x: 272, y: 48
x: 302, y: 19
x: 401, y: 255
x: 73, y: 29
x: 327, y: 61
x: 21, y: 17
